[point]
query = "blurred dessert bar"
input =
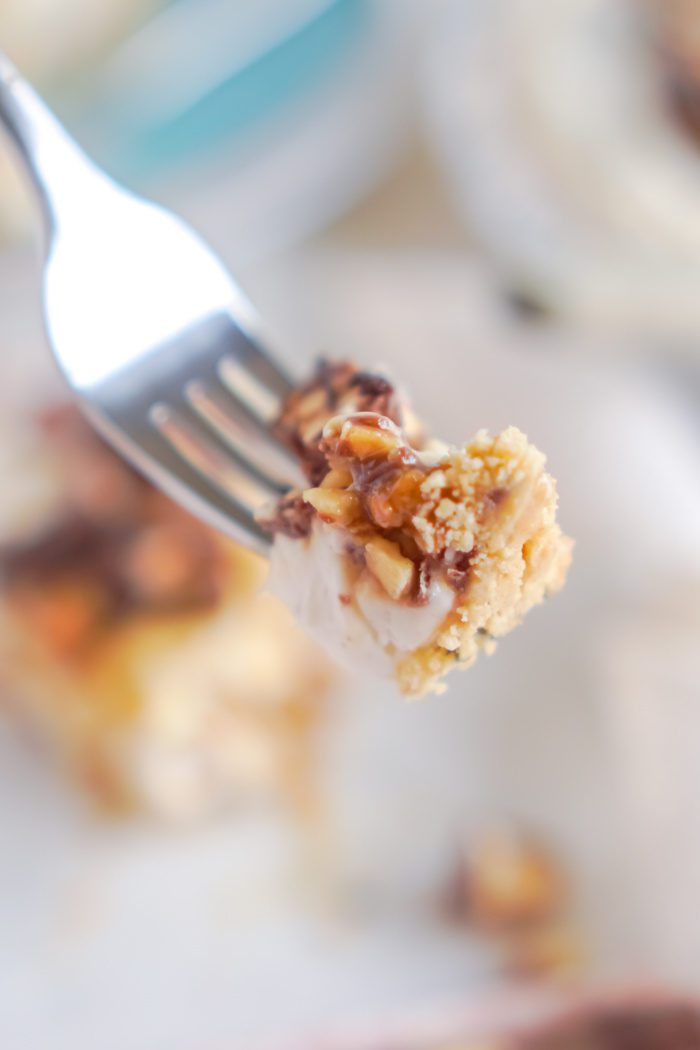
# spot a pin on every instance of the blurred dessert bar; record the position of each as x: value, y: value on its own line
x: 676, y: 26
x: 132, y: 639
x: 537, y: 1019
x: 639, y: 1024
x: 410, y: 555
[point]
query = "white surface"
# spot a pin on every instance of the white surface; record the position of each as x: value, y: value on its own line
x: 143, y: 939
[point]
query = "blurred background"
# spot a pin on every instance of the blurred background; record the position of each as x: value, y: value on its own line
x: 208, y: 836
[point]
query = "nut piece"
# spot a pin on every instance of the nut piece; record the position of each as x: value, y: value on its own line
x: 335, y: 506
x: 337, y: 478
x: 392, y: 504
x: 395, y: 572
x: 364, y: 442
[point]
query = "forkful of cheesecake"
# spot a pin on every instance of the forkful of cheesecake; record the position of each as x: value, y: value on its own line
x: 399, y: 552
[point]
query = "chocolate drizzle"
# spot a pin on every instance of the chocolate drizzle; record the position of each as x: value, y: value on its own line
x: 453, y: 567
x: 457, y: 568
x: 291, y: 516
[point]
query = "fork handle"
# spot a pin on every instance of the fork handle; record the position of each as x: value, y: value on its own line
x: 55, y: 164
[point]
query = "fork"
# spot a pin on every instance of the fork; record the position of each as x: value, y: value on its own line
x: 155, y: 339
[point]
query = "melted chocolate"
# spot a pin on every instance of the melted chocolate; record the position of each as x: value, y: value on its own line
x: 424, y: 578
x: 292, y: 517
x: 457, y: 568
x: 376, y: 394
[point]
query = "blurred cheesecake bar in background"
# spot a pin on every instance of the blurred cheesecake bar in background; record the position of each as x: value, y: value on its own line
x: 676, y: 26
x: 132, y: 639
x: 412, y: 556
x: 543, y: 1019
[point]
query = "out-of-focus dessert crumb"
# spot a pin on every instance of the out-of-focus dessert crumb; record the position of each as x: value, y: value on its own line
x: 505, y: 880
x: 510, y: 889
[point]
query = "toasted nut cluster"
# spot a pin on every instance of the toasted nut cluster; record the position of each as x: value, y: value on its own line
x: 369, y: 488
x: 334, y: 388
x: 369, y: 452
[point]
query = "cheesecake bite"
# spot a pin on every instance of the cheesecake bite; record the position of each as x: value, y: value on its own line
x: 406, y: 554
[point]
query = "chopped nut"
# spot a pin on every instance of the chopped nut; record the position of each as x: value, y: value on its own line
x: 392, y: 570
x: 335, y: 505
x: 337, y: 478
x: 333, y: 427
x: 364, y: 442
x: 391, y: 505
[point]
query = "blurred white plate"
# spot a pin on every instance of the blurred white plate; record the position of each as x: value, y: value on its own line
x: 564, y: 160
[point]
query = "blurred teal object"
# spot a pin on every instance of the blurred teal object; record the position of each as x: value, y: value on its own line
x: 260, y: 121
x: 205, y: 72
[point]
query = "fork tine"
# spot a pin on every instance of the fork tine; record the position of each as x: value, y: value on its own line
x: 204, y: 451
x: 261, y: 403
x: 154, y: 453
x: 256, y: 363
x: 214, y: 465
x: 241, y: 431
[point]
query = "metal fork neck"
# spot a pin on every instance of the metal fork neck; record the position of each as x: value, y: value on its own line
x: 56, y: 165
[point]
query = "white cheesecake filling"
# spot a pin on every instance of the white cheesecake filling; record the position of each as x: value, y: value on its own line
x: 345, y: 610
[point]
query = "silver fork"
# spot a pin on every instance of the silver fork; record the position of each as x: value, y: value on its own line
x: 154, y: 337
